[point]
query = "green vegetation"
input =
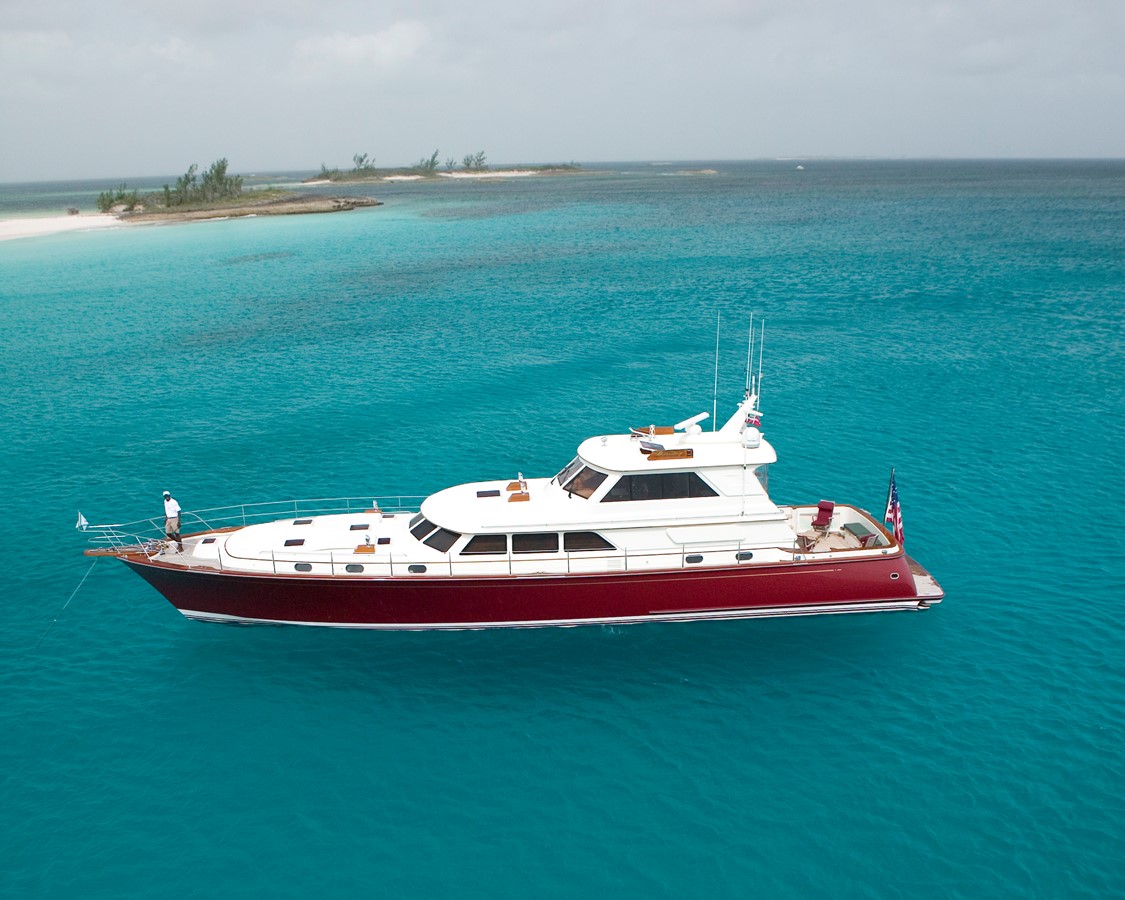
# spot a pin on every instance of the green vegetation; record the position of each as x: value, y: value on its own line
x: 364, y: 168
x: 427, y: 166
x: 363, y: 165
x: 474, y: 162
x: 214, y: 186
x: 123, y: 196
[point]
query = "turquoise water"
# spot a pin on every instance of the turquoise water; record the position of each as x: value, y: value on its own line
x: 960, y: 321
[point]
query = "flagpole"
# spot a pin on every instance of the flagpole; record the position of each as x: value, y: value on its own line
x: 890, y: 494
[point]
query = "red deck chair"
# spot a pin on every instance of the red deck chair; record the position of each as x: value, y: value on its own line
x: 824, y: 510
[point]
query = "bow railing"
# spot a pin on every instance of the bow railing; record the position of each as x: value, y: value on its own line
x: 148, y: 534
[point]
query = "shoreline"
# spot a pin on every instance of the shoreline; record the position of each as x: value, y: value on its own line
x: 43, y: 226
x: 462, y: 175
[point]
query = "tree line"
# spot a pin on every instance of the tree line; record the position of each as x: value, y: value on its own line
x: 192, y: 188
x: 364, y: 166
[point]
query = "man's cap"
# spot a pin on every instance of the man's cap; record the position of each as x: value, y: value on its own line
x: 166, y: 494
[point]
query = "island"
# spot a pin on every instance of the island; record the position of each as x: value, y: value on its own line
x: 472, y: 165
x: 215, y: 194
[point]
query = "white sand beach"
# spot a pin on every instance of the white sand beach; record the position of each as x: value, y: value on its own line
x: 37, y: 227
x: 505, y: 173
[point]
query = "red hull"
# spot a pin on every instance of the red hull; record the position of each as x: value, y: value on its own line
x: 422, y: 602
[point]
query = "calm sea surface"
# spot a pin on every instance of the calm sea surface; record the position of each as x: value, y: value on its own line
x: 963, y: 322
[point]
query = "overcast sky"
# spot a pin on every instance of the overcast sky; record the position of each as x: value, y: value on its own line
x: 118, y: 88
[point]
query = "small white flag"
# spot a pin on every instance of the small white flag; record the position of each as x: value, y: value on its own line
x: 82, y: 523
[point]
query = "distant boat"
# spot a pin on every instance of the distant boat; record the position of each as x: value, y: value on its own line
x: 800, y: 168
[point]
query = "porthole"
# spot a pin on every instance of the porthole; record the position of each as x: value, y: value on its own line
x: 303, y: 567
x: 294, y: 542
x: 694, y: 558
x: 744, y: 554
x: 416, y: 570
x: 894, y: 576
x: 354, y: 568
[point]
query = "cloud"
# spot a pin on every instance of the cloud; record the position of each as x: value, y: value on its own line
x: 385, y: 51
x: 20, y: 49
x: 182, y: 53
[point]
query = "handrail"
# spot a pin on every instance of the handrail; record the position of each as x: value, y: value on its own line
x: 143, y: 532
x: 147, y: 536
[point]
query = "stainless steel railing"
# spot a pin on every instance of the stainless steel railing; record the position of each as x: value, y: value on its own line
x: 145, y: 532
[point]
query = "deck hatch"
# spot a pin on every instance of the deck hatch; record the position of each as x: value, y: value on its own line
x: 294, y: 542
x: 361, y: 526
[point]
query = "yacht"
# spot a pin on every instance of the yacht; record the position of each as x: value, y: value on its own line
x: 653, y: 524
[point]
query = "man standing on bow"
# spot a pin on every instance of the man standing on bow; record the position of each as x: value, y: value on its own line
x: 172, y: 520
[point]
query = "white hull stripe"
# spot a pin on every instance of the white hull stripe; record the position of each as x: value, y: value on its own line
x: 771, y: 612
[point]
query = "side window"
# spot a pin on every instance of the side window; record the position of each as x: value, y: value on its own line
x: 544, y: 542
x: 585, y: 540
x: 697, y: 487
x: 659, y: 486
x: 647, y: 487
x: 619, y: 491
x: 424, y: 527
x: 482, y: 544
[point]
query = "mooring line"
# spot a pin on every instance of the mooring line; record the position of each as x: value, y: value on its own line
x: 65, y: 605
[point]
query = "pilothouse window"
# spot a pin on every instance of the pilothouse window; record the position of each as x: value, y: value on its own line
x: 585, y: 482
x: 659, y: 486
x: 568, y: 471
x: 424, y: 527
x: 442, y: 539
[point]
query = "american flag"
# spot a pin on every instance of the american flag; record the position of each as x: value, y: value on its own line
x: 893, y: 515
